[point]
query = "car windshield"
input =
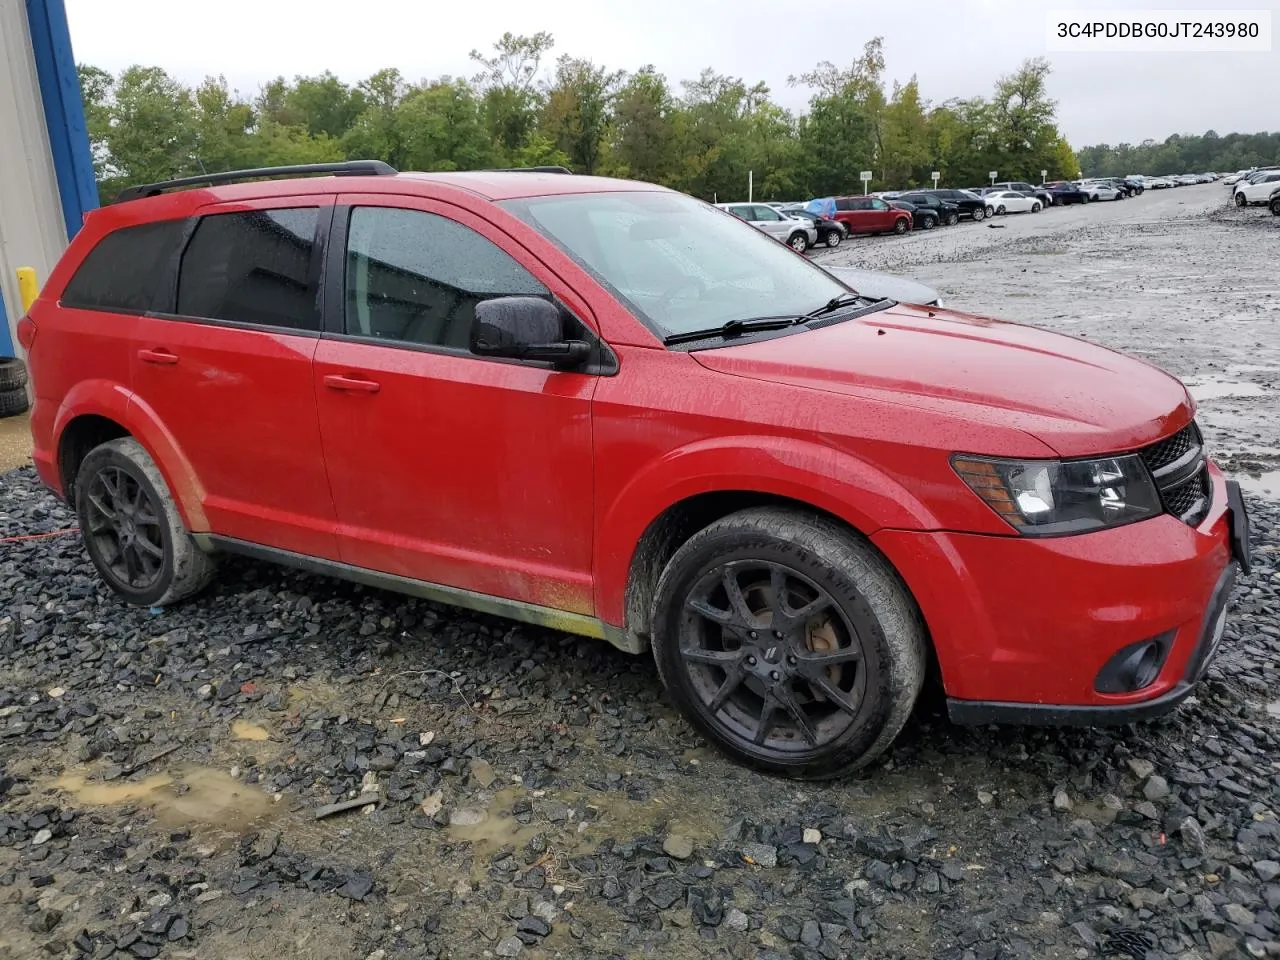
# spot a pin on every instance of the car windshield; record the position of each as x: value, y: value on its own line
x: 679, y: 264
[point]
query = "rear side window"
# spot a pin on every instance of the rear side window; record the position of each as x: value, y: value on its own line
x: 125, y: 272
x: 252, y: 267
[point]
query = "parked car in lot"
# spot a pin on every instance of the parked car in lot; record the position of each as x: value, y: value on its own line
x: 1102, y: 190
x: 877, y: 286
x: 605, y: 408
x: 830, y: 232
x: 1257, y: 190
x: 863, y: 214
x: 1273, y: 202
x: 1232, y: 178
x: 922, y: 218
x: 947, y: 212
x: 1021, y: 186
x: 798, y: 234
x: 1064, y: 192
x: 1012, y: 201
x: 968, y: 204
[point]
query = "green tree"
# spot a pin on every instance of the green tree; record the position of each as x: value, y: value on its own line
x: 643, y: 137
x: 440, y: 128
x: 375, y: 134
x: 153, y: 133
x: 577, y: 111
x: 508, y: 88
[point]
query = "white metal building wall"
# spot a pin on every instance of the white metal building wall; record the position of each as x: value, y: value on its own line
x: 33, y: 232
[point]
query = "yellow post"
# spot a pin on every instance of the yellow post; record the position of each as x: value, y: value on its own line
x: 28, y: 289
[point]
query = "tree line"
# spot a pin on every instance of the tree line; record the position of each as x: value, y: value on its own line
x: 1183, y: 154
x: 523, y: 108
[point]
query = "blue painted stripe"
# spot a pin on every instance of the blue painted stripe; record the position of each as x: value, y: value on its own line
x: 63, y: 110
x: 6, y: 343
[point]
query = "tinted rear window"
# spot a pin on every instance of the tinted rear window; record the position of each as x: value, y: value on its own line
x: 252, y: 268
x: 125, y: 272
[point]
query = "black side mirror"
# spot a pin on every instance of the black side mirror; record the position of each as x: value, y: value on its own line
x: 524, y: 328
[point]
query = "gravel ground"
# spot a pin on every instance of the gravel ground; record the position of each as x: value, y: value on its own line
x: 517, y: 792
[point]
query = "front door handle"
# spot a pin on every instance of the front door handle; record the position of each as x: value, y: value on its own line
x: 159, y: 355
x: 335, y: 381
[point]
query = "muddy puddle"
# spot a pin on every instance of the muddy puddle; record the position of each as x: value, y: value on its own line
x: 188, y: 795
x: 244, y: 730
x: 1212, y: 389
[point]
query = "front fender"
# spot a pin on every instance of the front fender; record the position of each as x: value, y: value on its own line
x: 807, y: 472
x: 116, y: 402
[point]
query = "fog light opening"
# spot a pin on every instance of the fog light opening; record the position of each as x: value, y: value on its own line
x: 1134, y: 667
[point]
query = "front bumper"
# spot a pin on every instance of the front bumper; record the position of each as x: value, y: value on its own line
x: 1022, y: 627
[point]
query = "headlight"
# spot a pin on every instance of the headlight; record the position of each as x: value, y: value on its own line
x: 1046, y: 497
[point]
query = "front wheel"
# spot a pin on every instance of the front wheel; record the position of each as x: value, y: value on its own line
x: 833, y: 239
x: 1000, y: 209
x: 798, y: 242
x: 953, y: 219
x: 1240, y: 200
x: 928, y: 223
x: 978, y: 214
x: 900, y: 226
x: 1275, y: 207
x: 788, y: 642
x: 132, y: 528
x: 1035, y: 207
x: 991, y: 212
x: 1084, y: 198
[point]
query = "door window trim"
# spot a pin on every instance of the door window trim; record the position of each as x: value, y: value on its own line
x: 603, y: 362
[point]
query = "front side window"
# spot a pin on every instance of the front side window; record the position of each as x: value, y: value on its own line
x: 676, y: 262
x: 252, y: 267
x: 125, y: 272
x: 416, y: 277
x: 767, y: 213
x: 878, y: 205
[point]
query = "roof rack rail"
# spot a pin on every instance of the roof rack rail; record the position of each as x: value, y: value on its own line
x: 532, y: 170
x: 348, y: 168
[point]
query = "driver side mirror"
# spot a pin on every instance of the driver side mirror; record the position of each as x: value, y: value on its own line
x: 524, y: 328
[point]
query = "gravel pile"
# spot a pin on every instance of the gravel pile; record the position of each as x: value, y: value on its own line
x: 291, y: 766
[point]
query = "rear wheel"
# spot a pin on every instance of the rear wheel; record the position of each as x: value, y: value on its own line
x: 978, y: 214
x: 900, y: 225
x: 833, y: 238
x: 788, y: 642
x: 132, y: 529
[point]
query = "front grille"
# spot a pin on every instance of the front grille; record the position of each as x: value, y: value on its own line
x: 1177, y: 465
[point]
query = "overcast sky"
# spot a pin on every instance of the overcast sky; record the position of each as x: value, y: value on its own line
x: 957, y: 48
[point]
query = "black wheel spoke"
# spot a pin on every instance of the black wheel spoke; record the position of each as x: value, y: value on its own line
x: 147, y: 548
x: 834, y: 694
x: 130, y: 564
x: 822, y: 660
x: 801, y: 719
x: 737, y: 599
x: 703, y: 609
x: 732, y: 681
x: 764, y: 724
x: 713, y: 658
x: 104, y: 511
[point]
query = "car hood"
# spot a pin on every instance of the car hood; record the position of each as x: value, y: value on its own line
x: 1078, y: 398
x: 885, y: 286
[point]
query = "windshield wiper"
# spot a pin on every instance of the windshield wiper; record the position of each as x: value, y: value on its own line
x: 838, y: 303
x: 736, y: 328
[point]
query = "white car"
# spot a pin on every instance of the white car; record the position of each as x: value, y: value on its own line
x: 799, y: 234
x: 1257, y: 189
x: 1099, y: 190
x: 1233, y: 178
x: 1159, y: 183
x: 1007, y: 201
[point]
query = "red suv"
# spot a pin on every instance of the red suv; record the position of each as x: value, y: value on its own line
x: 871, y: 215
x: 609, y: 408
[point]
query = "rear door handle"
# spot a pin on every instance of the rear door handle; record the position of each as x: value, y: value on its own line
x: 335, y: 381
x: 159, y: 355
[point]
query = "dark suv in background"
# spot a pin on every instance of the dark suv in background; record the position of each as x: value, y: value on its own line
x: 968, y: 203
x: 946, y: 211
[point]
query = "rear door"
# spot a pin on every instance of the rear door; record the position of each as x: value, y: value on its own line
x: 227, y: 373
x: 471, y: 472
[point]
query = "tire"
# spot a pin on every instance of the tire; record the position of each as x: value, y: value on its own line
x: 858, y: 605
x: 798, y: 242
x: 978, y: 214
x: 991, y: 211
x: 166, y: 565
x: 1240, y: 200
x: 1000, y: 209
x: 1084, y: 198
x: 928, y: 223
x: 900, y: 226
x: 14, y: 402
x: 953, y: 219
x: 1035, y: 206
x: 13, y: 373
x: 833, y: 239
x: 1275, y: 207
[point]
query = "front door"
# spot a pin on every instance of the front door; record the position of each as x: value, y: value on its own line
x: 447, y: 467
x: 227, y: 375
